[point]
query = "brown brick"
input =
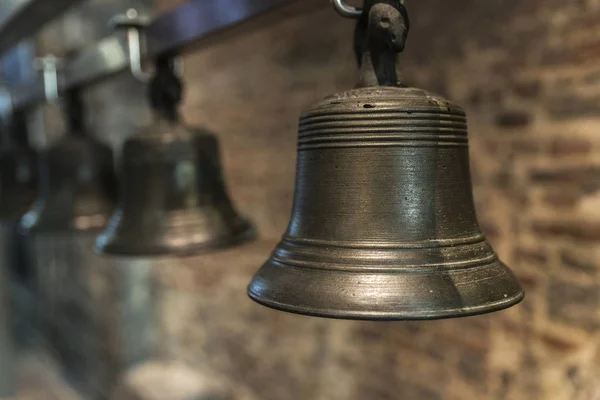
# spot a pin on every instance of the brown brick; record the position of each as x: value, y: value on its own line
x: 570, y: 147
x: 525, y: 147
x: 476, y: 97
x: 583, y: 176
x: 579, y: 261
x: 496, y: 96
x: 580, y: 230
x: 409, y: 390
x: 562, y: 199
x: 529, y: 89
x: 552, y: 57
x: 573, y: 106
x: 574, y: 304
x: 513, y: 119
x: 528, y: 281
x: 503, y: 179
x: 530, y: 256
x: 592, y: 78
x: 491, y: 147
x: 473, y: 368
x: 557, y: 343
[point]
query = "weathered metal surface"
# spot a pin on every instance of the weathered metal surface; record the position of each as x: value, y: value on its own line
x: 383, y: 224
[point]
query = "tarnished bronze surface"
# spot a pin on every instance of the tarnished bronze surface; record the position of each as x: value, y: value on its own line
x: 383, y: 224
x: 174, y: 199
x: 77, y: 181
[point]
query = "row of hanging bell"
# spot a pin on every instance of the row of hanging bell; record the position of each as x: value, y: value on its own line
x: 383, y: 224
x: 173, y: 197
x: 18, y: 190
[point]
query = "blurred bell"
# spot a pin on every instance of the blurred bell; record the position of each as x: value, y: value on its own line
x: 78, y: 183
x: 18, y: 171
x: 174, y: 199
x: 383, y: 224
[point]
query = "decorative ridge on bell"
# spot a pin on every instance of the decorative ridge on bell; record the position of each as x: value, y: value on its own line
x: 78, y: 182
x: 174, y: 199
x: 383, y: 225
x: 18, y: 171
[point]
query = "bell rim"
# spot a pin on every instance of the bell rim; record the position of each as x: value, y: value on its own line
x: 390, y: 316
x: 249, y: 233
x: 352, y: 307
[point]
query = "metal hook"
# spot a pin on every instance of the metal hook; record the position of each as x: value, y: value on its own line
x: 348, y: 11
x: 345, y: 10
x: 134, y: 23
x: 49, y: 65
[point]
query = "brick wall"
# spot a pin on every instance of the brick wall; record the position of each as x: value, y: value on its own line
x: 527, y: 72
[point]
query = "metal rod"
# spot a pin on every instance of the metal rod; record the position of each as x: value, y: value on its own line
x: 170, y: 32
x: 49, y: 66
x: 23, y: 18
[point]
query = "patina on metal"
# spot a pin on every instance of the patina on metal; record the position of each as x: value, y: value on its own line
x: 383, y: 225
x: 174, y: 200
x: 77, y: 181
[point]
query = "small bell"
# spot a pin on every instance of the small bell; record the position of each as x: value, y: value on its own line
x: 78, y: 183
x: 18, y: 171
x: 174, y: 199
x: 383, y: 224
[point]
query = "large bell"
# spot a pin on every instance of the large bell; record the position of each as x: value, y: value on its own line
x: 174, y: 199
x: 383, y: 223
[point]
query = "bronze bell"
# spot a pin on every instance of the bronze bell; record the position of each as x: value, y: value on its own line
x: 18, y: 171
x: 174, y: 199
x: 77, y: 181
x: 383, y: 224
